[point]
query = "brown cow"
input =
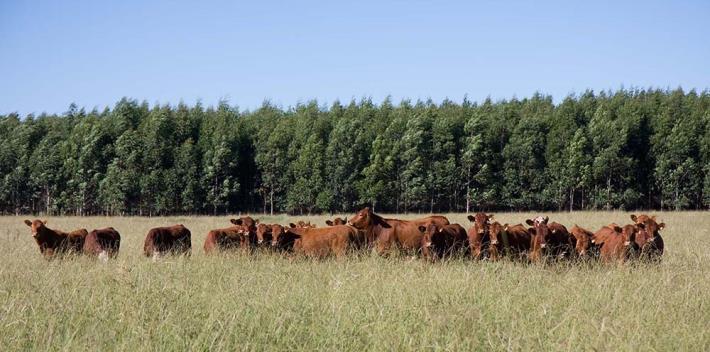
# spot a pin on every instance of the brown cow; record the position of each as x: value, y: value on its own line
x: 336, y: 221
x: 228, y: 238
x: 174, y: 239
x: 317, y: 242
x: 582, y: 240
x: 57, y: 242
x: 614, y: 242
x: 511, y: 240
x: 386, y: 233
x: 250, y: 224
x: 479, y: 233
x: 551, y: 239
x: 441, y: 242
x: 102, y: 243
x: 263, y: 234
x: 649, y: 241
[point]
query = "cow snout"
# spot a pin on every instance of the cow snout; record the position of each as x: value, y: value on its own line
x: 274, y: 243
x: 544, y: 245
x: 427, y: 244
x: 627, y: 243
x: 260, y: 241
x: 494, y: 242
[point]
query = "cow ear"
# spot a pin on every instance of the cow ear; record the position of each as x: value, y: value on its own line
x: 618, y: 229
x: 633, y: 217
x: 28, y: 223
x: 547, y: 218
x: 529, y: 222
x: 505, y: 227
x: 256, y: 221
x: 471, y: 218
x: 422, y: 228
x: 292, y: 225
x: 329, y: 223
x: 236, y: 221
x: 661, y: 226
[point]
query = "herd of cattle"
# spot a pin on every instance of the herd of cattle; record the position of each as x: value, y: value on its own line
x: 433, y: 237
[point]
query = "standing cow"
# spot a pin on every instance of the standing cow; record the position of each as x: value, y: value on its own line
x: 174, y: 239
x: 509, y: 240
x: 479, y: 233
x: 55, y: 242
x: 103, y: 243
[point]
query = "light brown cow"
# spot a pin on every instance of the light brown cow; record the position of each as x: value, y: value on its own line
x: 316, y: 242
x: 228, y: 238
x: 649, y: 242
x: 102, y: 243
x: 55, y: 242
x: 583, y: 245
x: 388, y: 233
x: 614, y: 242
x: 479, y: 233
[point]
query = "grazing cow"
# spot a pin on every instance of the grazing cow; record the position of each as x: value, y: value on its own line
x: 440, y: 242
x: 174, y: 239
x: 227, y: 238
x: 614, y: 242
x: 511, y: 240
x: 386, y: 233
x: 551, y: 239
x: 582, y: 240
x: 102, y: 243
x: 649, y: 240
x: 57, y: 242
x: 479, y: 233
x: 336, y: 221
x: 316, y: 242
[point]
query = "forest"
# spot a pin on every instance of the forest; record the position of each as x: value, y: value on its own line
x: 624, y: 149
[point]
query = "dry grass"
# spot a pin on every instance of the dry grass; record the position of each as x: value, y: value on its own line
x: 267, y: 302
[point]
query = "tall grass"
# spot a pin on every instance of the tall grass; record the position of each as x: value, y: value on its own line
x: 266, y: 301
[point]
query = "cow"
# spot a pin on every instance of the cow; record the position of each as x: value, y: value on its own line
x: 511, y: 240
x: 582, y: 240
x: 479, y: 233
x: 54, y: 242
x: 281, y: 239
x: 614, y: 242
x: 336, y: 221
x: 551, y: 239
x: 250, y: 224
x: 387, y: 233
x: 263, y: 234
x: 228, y: 238
x: 649, y: 241
x: 174, y: 239
x: 441, y: 242
x: 102, y: 243
x: 317, y: 242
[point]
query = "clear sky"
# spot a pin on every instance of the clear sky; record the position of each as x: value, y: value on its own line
x: 53, y: 53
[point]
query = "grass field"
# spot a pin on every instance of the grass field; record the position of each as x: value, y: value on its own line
x: 267, y: 302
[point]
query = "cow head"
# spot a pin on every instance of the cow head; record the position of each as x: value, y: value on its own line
x: 245, y: 221
x: 628, y: 232
x: 362, y: 219
x: 582, y: 240
x: 495, y: 231
x: 37, y: 226
x: 336, y: 221
x: 278, y: 232
x: 650, y: 226
x: 263, y: 233
x: 481, y: 222
x: 541, y: 232
x: 430, y: 240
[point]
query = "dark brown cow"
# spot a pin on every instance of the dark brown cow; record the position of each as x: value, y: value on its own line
x: 441, y: 242
x: 582, y: 240
x: 54, y: 242
x: 174, y: 239
x: 511, y: 240
x: 317, y: 242
x: 479, y: 233
x: 336, y: 221
x: 102, y: 243
x: 281, y: 239
x: 648, y: 240
x: 614, y: 242
x: 549, y: 240
x: 387, y: 233
x: 228, y: 238
x: 250, y: 224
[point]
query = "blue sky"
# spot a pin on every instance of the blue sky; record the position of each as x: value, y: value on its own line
x: 53, y: 53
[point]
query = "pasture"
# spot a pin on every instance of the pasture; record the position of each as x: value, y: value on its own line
x: 266, y: 301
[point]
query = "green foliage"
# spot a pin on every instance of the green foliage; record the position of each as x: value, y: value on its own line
x: 625, y: 149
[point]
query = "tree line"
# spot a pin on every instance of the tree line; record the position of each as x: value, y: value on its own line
x: 626, y: 149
